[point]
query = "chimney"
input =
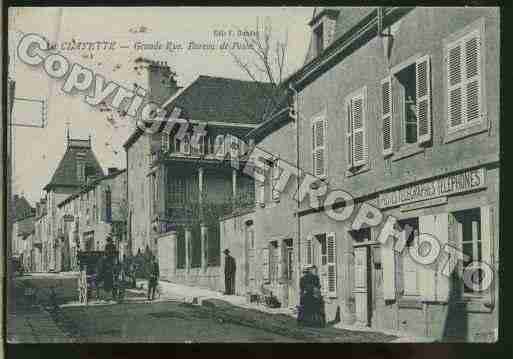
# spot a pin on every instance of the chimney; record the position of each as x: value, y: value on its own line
x: 157, y: 78
x: 112, y: 170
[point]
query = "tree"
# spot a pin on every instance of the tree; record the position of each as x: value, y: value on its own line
x: 263, y: 58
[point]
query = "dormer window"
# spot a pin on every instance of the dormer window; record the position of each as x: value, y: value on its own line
x: 323, y: 30
x: 319, y: 38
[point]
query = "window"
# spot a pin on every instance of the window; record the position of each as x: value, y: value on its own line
x: 318, y: 34
x: 165, y: 141
x: 219, y: 148
x: 355, y: 136
x: 80, y: 170
x: 464, y: 80
x: 410, y: 273
x: 409, y: 88
x: 468, y: 232
x: 319, y: 145
x: 275, y: 176
x: 186, y: 144
x: 108, y: 205
x: 274, y: 260
x: 324, y: 247
x: 289, y: 258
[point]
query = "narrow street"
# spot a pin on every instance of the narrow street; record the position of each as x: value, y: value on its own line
x: 62, y: 320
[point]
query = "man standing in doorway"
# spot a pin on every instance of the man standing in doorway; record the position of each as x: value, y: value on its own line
x: 229, y: 273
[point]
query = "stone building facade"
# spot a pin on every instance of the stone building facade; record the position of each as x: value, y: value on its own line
x: 87, y: 217
x: 191, y: 185
x: 78, y: 164
x: 399, y: 108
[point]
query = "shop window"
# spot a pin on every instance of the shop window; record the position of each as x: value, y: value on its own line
x: 410, y: 273
x: 468, y: 231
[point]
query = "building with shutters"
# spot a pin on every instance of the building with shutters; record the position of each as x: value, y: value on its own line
x: 188, y: 187
x: 399, y: 107
x: 78, y: 165
x: 88, y: 216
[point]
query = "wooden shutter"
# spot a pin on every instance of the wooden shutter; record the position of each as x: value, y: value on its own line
x: 359, y: 150
x: 165, y: 141
x: 103, y: 204
x: 386, y: 115
x: 441, y: 233
x: 472, y: 89
x: 265, y: 266
x: 309, y: 250
x: 349, y: 136
x: 454, y: 86
x: 331, y: 244
x: 427, y: 275
x: 487, y: 247
x: 423, y: 89
x: 319, y: 148
x: 388, y: 265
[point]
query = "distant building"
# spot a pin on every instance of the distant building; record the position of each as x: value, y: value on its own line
x: 189, y: 187
x: 86, y: 217
x: 78, y: 165
x: 23, y: 230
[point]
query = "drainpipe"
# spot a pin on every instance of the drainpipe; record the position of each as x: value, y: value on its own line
x: 298, y: 219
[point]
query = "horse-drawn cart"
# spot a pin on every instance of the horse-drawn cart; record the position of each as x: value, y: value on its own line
x: 96, y: 269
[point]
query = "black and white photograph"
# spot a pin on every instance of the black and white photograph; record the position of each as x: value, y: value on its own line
x: 252, y: 174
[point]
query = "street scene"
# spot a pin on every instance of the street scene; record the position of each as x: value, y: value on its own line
x: 240, y: 175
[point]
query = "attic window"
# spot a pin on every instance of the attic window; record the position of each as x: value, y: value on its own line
x: 319, y: 38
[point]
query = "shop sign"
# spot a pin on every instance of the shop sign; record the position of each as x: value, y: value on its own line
x: 445, y: 186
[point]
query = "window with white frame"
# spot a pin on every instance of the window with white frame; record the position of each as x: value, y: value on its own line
x: 356, y: 141
x: 463, y: 57
x: 319, y: 147
x: 468, y: 233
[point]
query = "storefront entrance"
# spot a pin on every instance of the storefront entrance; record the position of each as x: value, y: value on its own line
x: 362, y: 289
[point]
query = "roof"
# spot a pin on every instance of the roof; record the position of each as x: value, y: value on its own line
x: 89, y: 186
x: 66, y: 173
x: 350, y: 23
x: 22, y: 208
x: 223, y: 100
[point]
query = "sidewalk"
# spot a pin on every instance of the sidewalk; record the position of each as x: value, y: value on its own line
x: 213, y: 299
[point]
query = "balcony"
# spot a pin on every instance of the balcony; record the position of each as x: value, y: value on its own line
x: 194, y: 211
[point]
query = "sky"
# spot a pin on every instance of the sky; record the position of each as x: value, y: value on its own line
x: 37, y: 151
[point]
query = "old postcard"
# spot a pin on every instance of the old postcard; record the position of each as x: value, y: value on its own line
x: 291, y: 174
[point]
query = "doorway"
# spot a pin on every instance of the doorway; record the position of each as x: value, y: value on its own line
x: 362, y: 288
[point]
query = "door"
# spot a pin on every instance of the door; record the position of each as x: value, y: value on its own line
x: 288, y: 265
x: 361, y: 285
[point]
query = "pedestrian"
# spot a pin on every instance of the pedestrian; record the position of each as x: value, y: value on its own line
x: 153, y: 280
x: 309, y: 285
x: 229, y: 273
x: 318, y: 312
